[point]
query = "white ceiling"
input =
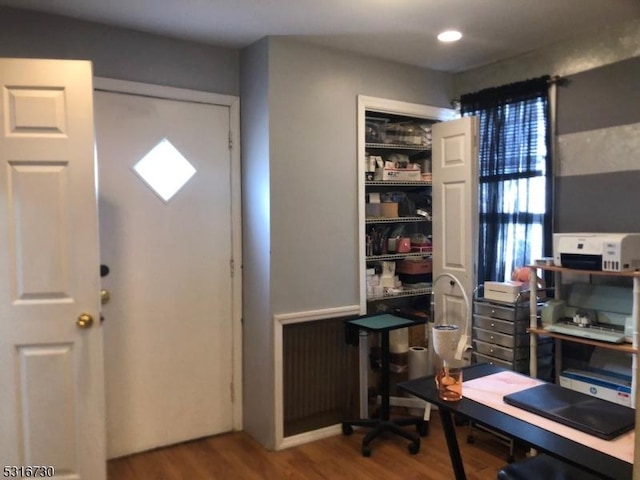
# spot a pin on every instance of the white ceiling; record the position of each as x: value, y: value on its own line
x: 401, y: 30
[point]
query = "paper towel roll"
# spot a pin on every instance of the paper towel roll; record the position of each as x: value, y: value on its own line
x: 418, y: 362
x: 399, y: 340
x: 418, y: 367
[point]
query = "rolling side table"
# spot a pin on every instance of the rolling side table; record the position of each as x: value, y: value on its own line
x: 383, y: 324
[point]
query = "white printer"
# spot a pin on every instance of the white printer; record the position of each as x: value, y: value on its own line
x: 613, y: 252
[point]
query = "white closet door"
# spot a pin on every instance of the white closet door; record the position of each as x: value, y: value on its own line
x: 455, y: 219
x: 51, y: 367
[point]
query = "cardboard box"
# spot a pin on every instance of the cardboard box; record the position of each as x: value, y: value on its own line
x: 411, y: 173
x: 414, y: 267
x: 389, y: 209
x: 502, y: 291
x: 609, y: 386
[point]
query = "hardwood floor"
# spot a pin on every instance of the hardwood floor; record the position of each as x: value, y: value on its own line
x: 237, y: 456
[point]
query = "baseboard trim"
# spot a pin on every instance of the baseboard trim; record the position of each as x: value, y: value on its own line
x: 306, y: 437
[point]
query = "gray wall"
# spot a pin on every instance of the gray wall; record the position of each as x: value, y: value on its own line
x: 120, y: 53
x: 257, y: 342
x: 598, y: 150
x: 596, y: 166
x: 313, y: 94
x: 299, y: 136
x: 571, y: 56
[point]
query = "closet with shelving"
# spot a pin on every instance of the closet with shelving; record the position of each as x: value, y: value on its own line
x: 395, y: 183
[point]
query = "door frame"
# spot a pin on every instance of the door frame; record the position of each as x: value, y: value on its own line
x: 233, y: 103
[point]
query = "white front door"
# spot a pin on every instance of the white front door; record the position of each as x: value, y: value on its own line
x: 51, y: 357
x: 455, y: 221
x: 169, y: 324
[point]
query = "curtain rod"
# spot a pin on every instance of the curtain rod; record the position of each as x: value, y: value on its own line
x: 558, y: 79
x: 555, y: 79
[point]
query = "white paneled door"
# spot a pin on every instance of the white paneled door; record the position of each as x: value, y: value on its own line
x: 168, y: 325
x: 455, y: 220
x: 51, y: 357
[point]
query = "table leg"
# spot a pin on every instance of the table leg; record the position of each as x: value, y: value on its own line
x: 452, y: 443
x: 363, y: 364
x: 384, y: 387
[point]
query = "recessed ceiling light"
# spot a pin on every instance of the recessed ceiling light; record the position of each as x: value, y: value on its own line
x: 450, y: 36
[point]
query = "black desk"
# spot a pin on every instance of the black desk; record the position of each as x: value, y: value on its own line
x: 543, y: 440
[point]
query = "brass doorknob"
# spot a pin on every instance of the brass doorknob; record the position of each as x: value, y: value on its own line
x: 84, y: 321
x: 105, y: 296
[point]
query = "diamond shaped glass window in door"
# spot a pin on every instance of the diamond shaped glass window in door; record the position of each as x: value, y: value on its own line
x: 164, y: 170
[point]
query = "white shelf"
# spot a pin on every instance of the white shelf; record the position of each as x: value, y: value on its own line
x: 397, y: 183
x: 397, y: 256
x: 408, y: 292
x: 398, y: 146
x: 370, y: 220
x: 633, y: 349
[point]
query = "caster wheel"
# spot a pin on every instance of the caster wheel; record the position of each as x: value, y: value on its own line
x: 470, y: 439
x: 366, y: 451
x: 414, y: 448
x: 423, y: 429
x: 347, y: 429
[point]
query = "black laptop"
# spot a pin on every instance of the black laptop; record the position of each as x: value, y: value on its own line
x: 588, y: 414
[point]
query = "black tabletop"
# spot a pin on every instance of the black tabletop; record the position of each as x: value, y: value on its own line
x: 382, y: 322
x: 544, y: 440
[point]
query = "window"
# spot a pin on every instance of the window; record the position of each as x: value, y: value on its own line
x: 164, y: 170
x: 515, y: 176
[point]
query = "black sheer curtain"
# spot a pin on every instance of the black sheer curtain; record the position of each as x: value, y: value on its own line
x: 515, y: 175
